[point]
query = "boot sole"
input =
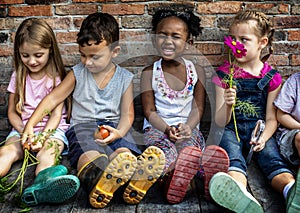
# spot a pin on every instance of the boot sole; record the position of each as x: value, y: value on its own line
x: 227, y: 193
x: 294, y: 206
x: 187, y: 165
x: 57, y: 190
x: 116, y: 174
x: 214, y: 160
x: 150, y: 166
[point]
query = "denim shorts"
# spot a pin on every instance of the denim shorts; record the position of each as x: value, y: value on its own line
x: 58, y: 134
x: 269, y: 159
x: 81, y: 139
x: 288, y: 148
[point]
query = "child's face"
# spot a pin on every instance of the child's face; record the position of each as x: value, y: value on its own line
x: 245, y: 34
x: 97, y: 57
x: 34, y: 57
x: 171, y: 37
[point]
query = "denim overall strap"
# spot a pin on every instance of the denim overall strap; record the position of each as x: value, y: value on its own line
x: 221, y: 74
x: 266, y: 79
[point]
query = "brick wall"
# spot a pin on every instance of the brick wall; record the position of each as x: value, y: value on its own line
x: 134, y: 17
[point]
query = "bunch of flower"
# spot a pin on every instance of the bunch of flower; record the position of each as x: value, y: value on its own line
x: 237, y: 50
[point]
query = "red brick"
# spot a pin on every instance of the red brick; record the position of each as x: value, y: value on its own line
x: 34, y: 10
x: 6, y: 50
x: 9, y: 23
x: 76, y: 9
x: 295, y: 61
x: 11, y: 1
x: 270, y: 8
x: 279, y: 60
x: 219, y: 7
x: 59, y: 23
x: 123, y: 9
x: 209, y: 48
x: 284, y: 22
x: 66, y: 37
x: 294, y: 35
x: 152, y: 6
x: 92, y: 1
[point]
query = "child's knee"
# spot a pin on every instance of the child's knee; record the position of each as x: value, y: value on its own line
x: 297, y: 142
x: 118, y: 151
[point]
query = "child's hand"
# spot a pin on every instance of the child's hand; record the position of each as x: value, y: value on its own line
x: 27, y: 136
x: 113, y: 135
x: 259, y: 145
x: 230, y: 96
x: 36, y: 146
x: 184, y: 131
x: 38, y: 141
x: 172, y: 133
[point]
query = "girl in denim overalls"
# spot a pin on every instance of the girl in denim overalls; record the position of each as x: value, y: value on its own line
x: 258, y: 84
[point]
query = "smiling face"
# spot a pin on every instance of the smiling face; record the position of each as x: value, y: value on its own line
x: 171, y: 37
x: 34, y: 57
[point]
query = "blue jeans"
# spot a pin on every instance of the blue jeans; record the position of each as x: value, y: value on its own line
x: 269, y: 159
x: 254, y: 91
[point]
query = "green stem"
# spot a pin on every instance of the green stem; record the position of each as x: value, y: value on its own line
x: 232, y: 107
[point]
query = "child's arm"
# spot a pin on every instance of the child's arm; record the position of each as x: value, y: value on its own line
x: 52, y: 100
x: 287, y: 120
x: 148, y: 104
x: 271, y: 121
x: 197, y: 107
x: 126, y: 118
x: 14, y: 118
x: 225, y: 98
x: 51, y: 125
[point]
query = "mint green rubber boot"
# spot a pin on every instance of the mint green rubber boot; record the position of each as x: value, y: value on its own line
x: 293, y: 198
x: 52, y: 185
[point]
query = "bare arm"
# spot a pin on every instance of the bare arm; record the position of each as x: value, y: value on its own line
x: 52, y: 100
x: 287, y: 120
x: 199, y: 101
x: 225, y: 98
x: 271, y: 121
x: 126, y: 119
x: 148, y: 103
x: 14, y: 118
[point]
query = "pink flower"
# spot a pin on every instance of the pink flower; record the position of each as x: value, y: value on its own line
x: 238, y: 49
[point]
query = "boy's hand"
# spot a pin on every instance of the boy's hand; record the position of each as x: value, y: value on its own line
x: 113, y: 135
x: 230, y: 96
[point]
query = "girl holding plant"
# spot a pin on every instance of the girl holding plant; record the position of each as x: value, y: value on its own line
x: 248, y: 80
x: 39, y: 69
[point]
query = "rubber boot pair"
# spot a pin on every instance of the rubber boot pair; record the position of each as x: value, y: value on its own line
x: 143, y: 172
x: 52, y: 185
x: 191, y: 161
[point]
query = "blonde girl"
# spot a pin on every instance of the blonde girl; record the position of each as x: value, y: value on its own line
x: 258, y: 82
x: 38, y: 69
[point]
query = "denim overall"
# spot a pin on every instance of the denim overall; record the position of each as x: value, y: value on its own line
x: 254, y: 91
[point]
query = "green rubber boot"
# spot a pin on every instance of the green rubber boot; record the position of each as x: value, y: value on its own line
x: 51, y: 172
x: 293, y: 199
x: 51, y: 185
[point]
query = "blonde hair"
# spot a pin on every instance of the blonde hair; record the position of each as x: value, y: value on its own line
x: 38, y: 32
x: 264, y: 26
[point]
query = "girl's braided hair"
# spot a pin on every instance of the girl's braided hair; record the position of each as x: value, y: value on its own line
x: 184, y: 12
x: 264, y: 26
